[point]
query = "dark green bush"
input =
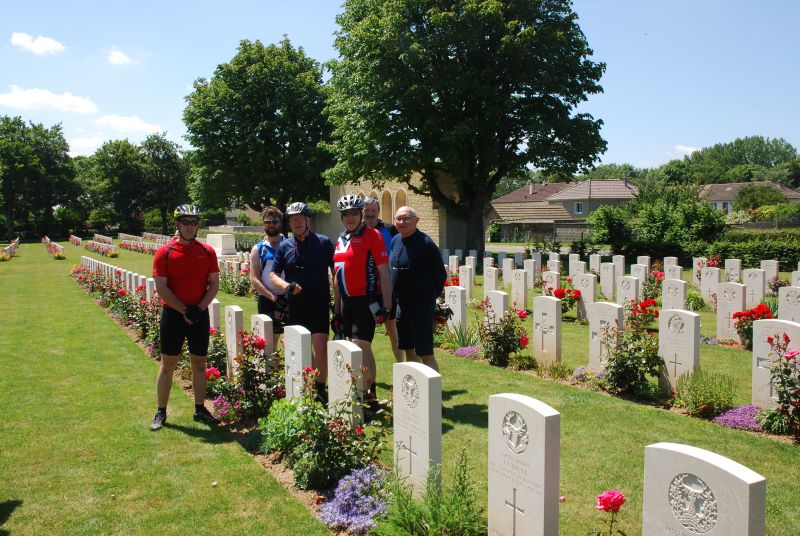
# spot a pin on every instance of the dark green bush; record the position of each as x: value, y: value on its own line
x: 753, y: 251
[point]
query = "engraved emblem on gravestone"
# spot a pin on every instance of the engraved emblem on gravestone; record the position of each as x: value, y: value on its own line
x: 733, y: 276
x: 793, y: 297
x: 751, y: 275
x: 518, y: 276
x: 693, y: 503
x: 729, y: 295
x: 338, y: 361
x: 626, y: 285
x: 676, y: 324
x: 585, y: 283
x: 515, y: 432
x: 672, y: 290
x: 410, y: 391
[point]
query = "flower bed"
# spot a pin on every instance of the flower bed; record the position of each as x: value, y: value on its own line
x: 107, y: 250
x: 149, y: 248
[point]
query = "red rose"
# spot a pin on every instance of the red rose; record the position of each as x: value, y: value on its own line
x: 211, y: 331
x: 523, y: 341
x: 610, y: 501
x: 576, y: 294
x: 786, y: 338
x: 212, y: 373
x: 308, y: 370
x: 359, y: 430
x: 259, y: 343
x: 522, y: 314
x: 770, y: 339
x: 559, y: 293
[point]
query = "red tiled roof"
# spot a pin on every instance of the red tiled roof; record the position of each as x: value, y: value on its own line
x: 597, y: 189
x: 532, y: 192
x: 728, y: 191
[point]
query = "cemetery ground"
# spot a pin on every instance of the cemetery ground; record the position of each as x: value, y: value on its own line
x: 78, y: 455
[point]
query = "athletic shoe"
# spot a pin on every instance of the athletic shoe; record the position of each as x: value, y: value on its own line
x: 158, y: 421
x: 203, y: 415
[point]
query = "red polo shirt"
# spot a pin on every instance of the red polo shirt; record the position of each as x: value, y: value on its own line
x: 186, y: 269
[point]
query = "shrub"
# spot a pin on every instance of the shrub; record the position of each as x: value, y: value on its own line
x: 694, y: 301
x: 452, y: 510
x: 461, y: 335
x: 522, y: 361
x: 773, y: 421
x: 785, y: 376
x: 705, y: 394
x: 632, y: 351
x: 776, y: 283
x: 502, y: 335
x: 743, y: 322
x: 594, y: 380
x: 555, y: 370
x: 785, y: 247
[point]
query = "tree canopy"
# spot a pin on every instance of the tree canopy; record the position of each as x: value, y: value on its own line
x: 464, y: 93
x: 752, y: 196
x: 256, y: 126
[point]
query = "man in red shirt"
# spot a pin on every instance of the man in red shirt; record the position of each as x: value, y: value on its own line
x: 362, y: 283
x: 187, y: 279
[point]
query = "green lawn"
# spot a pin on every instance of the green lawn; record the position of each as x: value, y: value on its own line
x: 602, y: 438
x: 77, y: 457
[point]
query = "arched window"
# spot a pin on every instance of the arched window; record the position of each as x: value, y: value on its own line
x: 400, y: 198
x: 387, y: 210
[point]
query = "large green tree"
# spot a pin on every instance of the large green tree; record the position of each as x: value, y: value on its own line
x: 256, y: 126
x: 35, y: 174
x: 464, y: 92
x: 119, y: 174
x: 165, y: 175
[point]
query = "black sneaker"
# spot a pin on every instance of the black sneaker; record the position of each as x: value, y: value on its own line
x: 158, y: 421
x: 203, y: 415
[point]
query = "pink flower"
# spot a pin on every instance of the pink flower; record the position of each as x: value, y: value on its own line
x: 212, y: 373
x: 359, y: 430
x: 523, y: 341
x: 522, y: 314
x: 610, y: 501
x: 791, y: 354
x: 211, y: 331
x: 308, y: 370
x: 259, y: 343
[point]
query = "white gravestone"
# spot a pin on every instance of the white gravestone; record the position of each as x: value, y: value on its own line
x: 473, y: 253
x: 529, y: 265
x: 297, y: 344
x: 150, y: 292
x: 690, y: 491
x: 490, y: 277
x: 551, y: 280
x: 524, y: 461
x: 465, y: 278
x: 763, y: 391
x: 452, y: 264
x: 730, y: 300
x: 587, y: 284
x: 261, y: 326
x: 709, y: 282
x: 572, y: 263
x: 223, y: 244
x: 698, y: 263
x: 627, y: 289
x: 670, y: 261
x: 508, y: 268
x: 213, y: 314
x: 789, y: 304
x: 554, y: 266
x: 733, y: 270
x: 344, y: 363
x: 500, y: 258
x: 678, y: 346
x: 519, y: 258
x: 580, y: 268
x: 498, y: 301
x: 456, y: 298
x: 603, y: 317
x: 796, y: 278
x: 417, y: 395
x: 234, y: 324
x: 547, y: 329
x: 471, y: 261
x: 608, y: 281
x: 537, y: 256
x: 519, y: 290
x: 488, y: 262
x: 594, y: 263
x: 771, y: 269
x: 619, y: 268
x: 639, y: 271
x: 553, y: 256
x: 644, y: 260
x: 673, y: 272
x: 673, y: 294
x: 756, y: 283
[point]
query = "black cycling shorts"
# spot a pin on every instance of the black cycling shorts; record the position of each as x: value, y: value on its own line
x: 267, y: 307
x: 357, y: 318
x: 315, y: 317
x: 174, y: 330
x: 415, y: 327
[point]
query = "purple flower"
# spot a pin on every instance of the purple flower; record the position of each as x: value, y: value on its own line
x: 358, y: 500
x: 467, y: 351
x: 742, y: 418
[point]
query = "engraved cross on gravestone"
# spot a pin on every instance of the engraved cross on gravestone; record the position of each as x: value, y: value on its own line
x: 515, y: 509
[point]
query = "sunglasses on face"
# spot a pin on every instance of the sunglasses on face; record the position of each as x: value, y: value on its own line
x: 190, y: 223
x: 354, y: 212
x: 271, y: 222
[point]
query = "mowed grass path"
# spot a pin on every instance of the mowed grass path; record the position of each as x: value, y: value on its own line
x: 602, y: 438
x: 76, y: 456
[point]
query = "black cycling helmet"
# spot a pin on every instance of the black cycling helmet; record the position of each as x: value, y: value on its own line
x: 298, y: 207
x: 186, y: 210
x: 349, y: 202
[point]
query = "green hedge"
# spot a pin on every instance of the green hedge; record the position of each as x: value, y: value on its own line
x: 787, y: 252
x: 747, y: 235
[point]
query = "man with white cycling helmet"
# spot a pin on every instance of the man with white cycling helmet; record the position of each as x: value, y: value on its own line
x: 363, y: 285
x: 305, y: 260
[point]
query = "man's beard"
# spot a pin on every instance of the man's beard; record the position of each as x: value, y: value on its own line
x: 273, y: 232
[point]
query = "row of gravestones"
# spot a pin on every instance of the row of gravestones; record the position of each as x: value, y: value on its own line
x: 11, y: 249
x: 687, y: 490
x: 47, y: 242
x: 129, y: 280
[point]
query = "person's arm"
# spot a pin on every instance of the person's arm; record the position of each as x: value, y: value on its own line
x: 168, y: 296
x: 438, y: 273
x: 276, y: 280
x: 386, y: 285
x: 255, y: 275
x: 211, y: 291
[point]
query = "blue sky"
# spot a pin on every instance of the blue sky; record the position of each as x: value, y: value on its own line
x: 681, y: 74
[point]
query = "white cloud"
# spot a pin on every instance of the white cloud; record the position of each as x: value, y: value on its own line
x: 85, y: 146
x: 118, y: 57
x: 43, y: 99
x: 128, y: 125
x: 40, y: 45
x: 685, y: 149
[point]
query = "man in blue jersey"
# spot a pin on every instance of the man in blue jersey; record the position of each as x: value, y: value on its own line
x: 271, y: 300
